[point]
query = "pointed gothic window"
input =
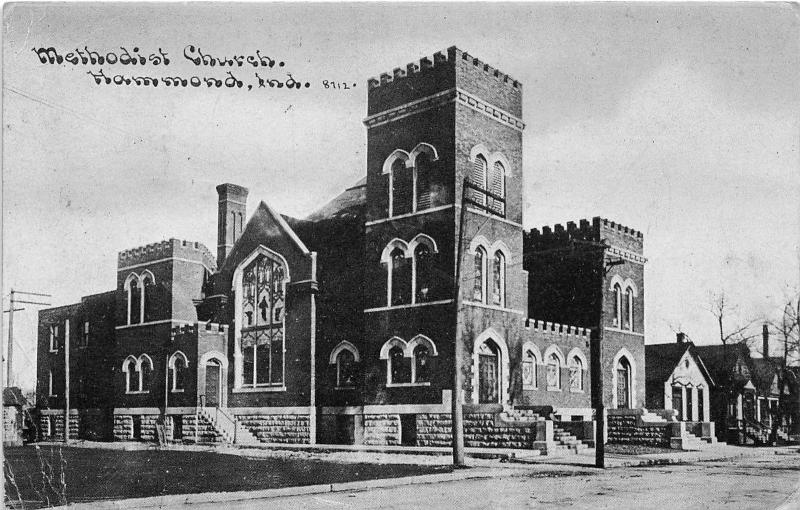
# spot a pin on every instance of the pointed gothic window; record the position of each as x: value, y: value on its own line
x: 263, y: 309
x: 629, y: 308
x: 617, y: 305
x: 423, y: 169
x: 402, y: 188
x: 148, y: 286
x: 553, y: 372
x: 345, y: 369
x: 497, y: 186
x: 135, y: 301
x: 575, y: 374
x: 424, y: 271
x: 478, y: 284
x: 422, y: 368
x: 498, y: 279
x: 478, y: 178
x: 399, y: 367
x: 529, y: 370
x: 400, y: 278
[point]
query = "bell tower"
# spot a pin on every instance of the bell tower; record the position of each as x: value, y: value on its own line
x: 432, y: 126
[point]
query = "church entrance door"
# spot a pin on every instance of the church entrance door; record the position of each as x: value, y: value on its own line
x: 213, y: 383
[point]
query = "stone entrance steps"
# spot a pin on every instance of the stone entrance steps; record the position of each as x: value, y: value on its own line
x: 567, y: 442
x: 222, y: 427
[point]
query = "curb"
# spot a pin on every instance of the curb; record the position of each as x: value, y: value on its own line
x: 226, y: 497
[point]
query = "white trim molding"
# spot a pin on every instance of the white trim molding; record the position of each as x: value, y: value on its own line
x: 623, y: 352
x: 344, y: 345
x: 504, y: 377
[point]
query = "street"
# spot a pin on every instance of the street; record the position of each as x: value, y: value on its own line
x: 764, y: 482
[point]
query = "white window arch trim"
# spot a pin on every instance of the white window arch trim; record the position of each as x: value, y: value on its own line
x: 411, y: 250
x: 554, y: 351
x: 386, y: 258
x: 142, y: 298
x: 344, y: 345
x: 531, y: 347
x: 390, y: 344
x: 425, y: 342
x: 574, y: 354
x: 388, y: 165
x: 491, y: 158
x: 176, y: 356
x: 238, y: 356
x: 143, y: 358
x: 505, y: 375
x: 409, y: 159
x: 623, y: 352
x: 498, y: 248
x: 127, y: 287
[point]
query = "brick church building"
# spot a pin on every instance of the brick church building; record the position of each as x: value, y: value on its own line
x: 342, y: 327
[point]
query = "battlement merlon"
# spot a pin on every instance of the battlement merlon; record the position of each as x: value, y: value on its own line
x: 199, y: 327
x: 171, y: 248
x: 557, y: 329
x: 599, y: 229
x: 446, y: 70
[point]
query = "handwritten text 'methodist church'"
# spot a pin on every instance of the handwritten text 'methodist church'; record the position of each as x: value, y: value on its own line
x: 342, y: 326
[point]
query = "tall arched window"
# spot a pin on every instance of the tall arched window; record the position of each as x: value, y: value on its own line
x: 529, y: 370
x: 423, y: 169
x: 478, y: 285
x: 629, y: 308
x: 400, y: 278
x: 399, y: 369
x: 422, y: 368
x: 134, y: 301
x: 423, y: 263
x: 345, y: 369
x: 145, y: 372
x: 402, y: 188
x: 498, y: 279
x: 617, y: 305
x: 130, y: 369
x: 623, y: 388
x: 178, y: 365
x: 148, y: 286
x: 497, y: 186
x: 553, y: 372
x: 262, y: 335
x: 478, y: 178
x: 575, y: 374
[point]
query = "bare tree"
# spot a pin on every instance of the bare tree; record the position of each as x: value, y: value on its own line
x: 787, y: 332
x: 732, y: 329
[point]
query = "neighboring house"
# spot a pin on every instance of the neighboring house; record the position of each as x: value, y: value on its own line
x: 678, y: 379
x: 14, y: 423
x: 341, y: 327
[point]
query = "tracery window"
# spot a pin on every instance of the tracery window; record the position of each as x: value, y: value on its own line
x: 553, y: 372
x: 575, y: 374
x: 262, y: 335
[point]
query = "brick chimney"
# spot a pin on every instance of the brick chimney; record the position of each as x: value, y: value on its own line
x: 230, y: 218
x: 681, y: 337
x: 765, y: 341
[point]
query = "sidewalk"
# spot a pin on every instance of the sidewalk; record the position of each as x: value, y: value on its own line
x: 521, y: 464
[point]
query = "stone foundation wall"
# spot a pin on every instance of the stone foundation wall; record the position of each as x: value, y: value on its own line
x: 382, y: 429
x: 626, y: 429
x: 54, y: 423
x: 123, y: 427
x: 278, y: 428
x: 483, y: 430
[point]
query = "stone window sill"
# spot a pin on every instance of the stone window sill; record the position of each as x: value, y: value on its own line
x: 344, y: 388
x: 526, y: 387
x: 176, y: 391
x: 264, y: 389
x: 137, y: 392
x: 575, y: 391
x: 553, y: 388
x: 407, y: 384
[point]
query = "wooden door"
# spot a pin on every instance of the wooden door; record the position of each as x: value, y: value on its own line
x: 488, y: 373
x: 623, y: 386
x: 213, y: 384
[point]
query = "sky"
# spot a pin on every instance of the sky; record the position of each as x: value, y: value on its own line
x: 679, y: 120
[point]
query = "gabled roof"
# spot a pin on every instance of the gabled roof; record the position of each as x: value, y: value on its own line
x: 713, y: 356
x: 764, y: 372
x: 661, y: 360
x: 13, y: 396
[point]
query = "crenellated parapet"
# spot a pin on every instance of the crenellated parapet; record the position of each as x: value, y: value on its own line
x: 193, y: 330
x: 439, y: 59
x: 597, y: 230
x: 555, y: 329
x: 171, y: 248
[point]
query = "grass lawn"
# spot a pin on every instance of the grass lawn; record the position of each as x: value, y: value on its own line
x: 52, y: 475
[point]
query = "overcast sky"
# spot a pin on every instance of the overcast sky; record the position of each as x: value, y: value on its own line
x: 678, y: 120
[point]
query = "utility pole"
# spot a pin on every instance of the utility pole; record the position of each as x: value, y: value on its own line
x: 66, y: 381
x: 457, y: 413
x: 13, y: 301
